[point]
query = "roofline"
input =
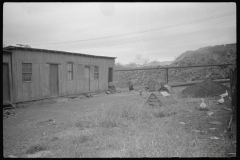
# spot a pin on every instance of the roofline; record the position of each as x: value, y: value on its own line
x: 7, y: 51
x: 64, y: 52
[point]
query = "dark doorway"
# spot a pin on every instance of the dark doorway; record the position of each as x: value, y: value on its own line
x: 53, y: 80
x: 110, y: 75
x: 6, y: 86
x: 87, y: 78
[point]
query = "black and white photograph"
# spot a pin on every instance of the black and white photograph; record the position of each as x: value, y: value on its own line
x: 119, y: 79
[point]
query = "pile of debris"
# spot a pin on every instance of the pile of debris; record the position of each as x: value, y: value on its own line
x: 111, y: 88
x: 7, y: 113
x: 205, y: 88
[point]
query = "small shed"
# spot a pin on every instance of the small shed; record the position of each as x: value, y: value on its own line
x: 153, y: 100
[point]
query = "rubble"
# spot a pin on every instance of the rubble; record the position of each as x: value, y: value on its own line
x: 216, y: 122
x: 205, y: 88
x: 164, y: 93
x: 7, y: 113
x: 107, y: 92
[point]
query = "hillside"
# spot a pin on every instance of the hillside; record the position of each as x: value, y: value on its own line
x: 157, y: 63
x: 218, y: 54
x: 208, y: 55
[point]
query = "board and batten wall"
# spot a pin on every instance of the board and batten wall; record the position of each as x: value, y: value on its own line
x: 38, y: 88
x: 7, y: 77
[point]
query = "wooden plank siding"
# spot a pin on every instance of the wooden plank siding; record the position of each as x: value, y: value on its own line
x: 7, y: 61
x: 38, y: 88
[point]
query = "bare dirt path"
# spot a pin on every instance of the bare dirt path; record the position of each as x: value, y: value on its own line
x: 117, y: 125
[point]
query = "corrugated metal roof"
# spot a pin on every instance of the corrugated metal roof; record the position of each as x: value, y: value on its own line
x: 63, y: 52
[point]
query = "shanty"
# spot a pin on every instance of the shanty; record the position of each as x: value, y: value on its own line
x: 33, y: 73
x: 119, y: 80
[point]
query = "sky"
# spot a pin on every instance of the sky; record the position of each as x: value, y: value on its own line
x: 155, y: 31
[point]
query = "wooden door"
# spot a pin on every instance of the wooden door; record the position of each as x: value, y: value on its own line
x: 110, y: 75
x: 53, y: 85
x: 6, y: 85
x: 87, y: 78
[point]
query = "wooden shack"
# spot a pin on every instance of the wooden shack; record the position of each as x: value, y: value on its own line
x: 33, y: 74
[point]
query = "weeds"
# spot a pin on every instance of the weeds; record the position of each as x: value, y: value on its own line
x: 142, y: 131
x: 108, y: 124
x: 159, y: 115
x: 82, y: 139
x: 45, y: 122
x: 54, y: 139
x: 36, y: 148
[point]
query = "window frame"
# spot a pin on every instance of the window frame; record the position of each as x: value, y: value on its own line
x: 69, y: 71
x: 96, y: 73
x: 26, y: 72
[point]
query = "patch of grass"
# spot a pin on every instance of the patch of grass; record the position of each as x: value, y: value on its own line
x: 82, y: 139
x: 54, y: 139
x: 45, y: 122
x: 159, y: 115
x: 79, y: 125
x: 138, y: 130
x: 36, y: 148
x: 107, y: 124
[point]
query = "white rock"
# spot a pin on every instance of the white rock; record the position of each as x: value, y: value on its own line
x: 38, y: 154
x: 12, y: 156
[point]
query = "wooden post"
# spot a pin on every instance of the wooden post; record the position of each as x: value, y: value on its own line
x: 230, y: 77
x: 166, y: 76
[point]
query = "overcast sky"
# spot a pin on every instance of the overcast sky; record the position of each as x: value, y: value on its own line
x: 158, y: 31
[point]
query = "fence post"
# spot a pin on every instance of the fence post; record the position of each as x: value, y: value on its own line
x: 166, y: 81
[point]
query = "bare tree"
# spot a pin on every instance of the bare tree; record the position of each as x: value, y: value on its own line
x: 141, y: 61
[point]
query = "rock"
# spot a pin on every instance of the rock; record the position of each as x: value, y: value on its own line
x: 107, y: 92
x: 11, y: 156
x: 165, y: 94
x: 38, y: 154
x: 88, y: 95
x: 81, y: 97
x: 216, y: 122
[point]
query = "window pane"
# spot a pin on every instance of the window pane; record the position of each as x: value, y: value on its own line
x: 27, y: 67
x: 96, y: 75
x: 26, y: 71
x: 70, y: 71
x: 70, y: 66
x: 95, y: 68
x: 70, y: 76
x: 26, y: 77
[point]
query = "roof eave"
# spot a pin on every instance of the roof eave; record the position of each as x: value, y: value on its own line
x: 15, y: 47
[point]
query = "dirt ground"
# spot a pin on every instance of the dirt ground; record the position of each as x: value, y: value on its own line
x: 119, y: 125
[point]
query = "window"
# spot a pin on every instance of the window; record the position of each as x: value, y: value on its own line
x: 70, y: 71
x: 26, y: 72
x: 96, y: 72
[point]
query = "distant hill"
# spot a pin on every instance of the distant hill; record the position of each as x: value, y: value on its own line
x: 208, y: 55
x: 157, y: 63
x: 219, y: 54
